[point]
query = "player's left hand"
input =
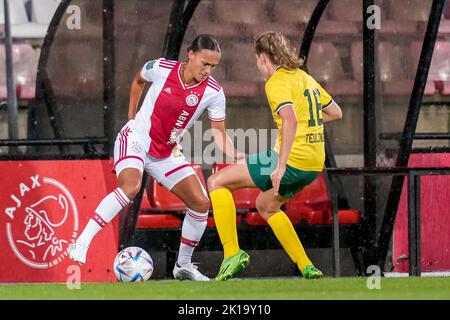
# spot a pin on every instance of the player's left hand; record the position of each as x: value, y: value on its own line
x: 276, y: 178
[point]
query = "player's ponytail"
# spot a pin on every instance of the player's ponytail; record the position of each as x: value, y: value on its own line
x: 204, y: 41
x: 277, y: 48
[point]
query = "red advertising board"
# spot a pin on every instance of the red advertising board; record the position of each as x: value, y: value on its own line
x: 435, y: 218
x: 44, y: 206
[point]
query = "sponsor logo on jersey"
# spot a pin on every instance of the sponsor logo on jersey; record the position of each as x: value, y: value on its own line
x: 168, y: 90
x: 178, y: 125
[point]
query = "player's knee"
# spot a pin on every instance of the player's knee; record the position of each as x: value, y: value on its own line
x: 200, y: 204
x: 131, y: 189
x: 263, y: 209
x: 213, y: 182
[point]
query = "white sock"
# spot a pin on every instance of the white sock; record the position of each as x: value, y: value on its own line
x: 108, y: 208
x: 194, y: 225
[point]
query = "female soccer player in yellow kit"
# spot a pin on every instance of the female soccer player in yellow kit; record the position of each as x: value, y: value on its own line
x: 300, y: 107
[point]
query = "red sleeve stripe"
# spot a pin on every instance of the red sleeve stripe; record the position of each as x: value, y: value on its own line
x: 215, y: 87
x: 165, y: 67
x: 168, y: 61
x: 211, y: 80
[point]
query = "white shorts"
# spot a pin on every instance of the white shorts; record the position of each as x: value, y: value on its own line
x: 130, y: 153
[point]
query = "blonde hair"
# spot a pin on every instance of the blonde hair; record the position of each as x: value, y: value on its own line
x: 278, y: 49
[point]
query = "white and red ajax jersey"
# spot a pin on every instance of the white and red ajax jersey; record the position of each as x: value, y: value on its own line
x: 170, y: 107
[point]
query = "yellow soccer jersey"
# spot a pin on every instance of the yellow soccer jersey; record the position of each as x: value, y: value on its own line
x: 298, y: 89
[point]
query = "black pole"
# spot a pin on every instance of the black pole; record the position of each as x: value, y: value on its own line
x: 13, y: 131
x: 369, y: 223
x: 44, y: 91
x: 311, y: 29
x: 109, y: 92
x: 409, y: 129
x: 335, y: 228
x: 414, y: 223
x: 179, y: 20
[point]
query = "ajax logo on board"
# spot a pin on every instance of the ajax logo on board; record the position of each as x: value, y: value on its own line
x: 43, y: 221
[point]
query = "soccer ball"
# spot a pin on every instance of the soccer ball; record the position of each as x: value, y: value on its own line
x: 133, y: 264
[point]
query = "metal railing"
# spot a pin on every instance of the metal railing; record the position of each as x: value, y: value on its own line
x: 413, y: 174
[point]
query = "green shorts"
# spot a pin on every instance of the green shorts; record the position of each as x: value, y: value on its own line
x: 261, y: 165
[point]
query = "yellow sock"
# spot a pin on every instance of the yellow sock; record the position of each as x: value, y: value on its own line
x: 224, y: 211
x: 285, y: 233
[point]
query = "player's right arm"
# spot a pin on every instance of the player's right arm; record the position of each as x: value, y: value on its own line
x: 331, y: 112
x: 330, y: 109
x: 148, y: 73
x: 137, y: 87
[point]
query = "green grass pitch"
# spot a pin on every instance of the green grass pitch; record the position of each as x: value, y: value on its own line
x: 239, y: 289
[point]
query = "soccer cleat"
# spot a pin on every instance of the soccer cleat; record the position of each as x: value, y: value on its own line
x: 311, y: 272
x: 188, y: 272
x: 232, y: 265
x: 77, y: 252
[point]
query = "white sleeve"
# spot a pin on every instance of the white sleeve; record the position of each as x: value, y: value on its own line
x: 216, y: 109
x: 149, y: 70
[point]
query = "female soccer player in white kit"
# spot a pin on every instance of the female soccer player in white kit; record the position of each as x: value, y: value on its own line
x: 179, y: 94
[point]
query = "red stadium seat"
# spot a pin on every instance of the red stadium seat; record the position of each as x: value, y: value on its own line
x: 414, y: 10
x: 324, y: 64
x: 25, y: 71
x: 242, y: 88
x: 439, y: 72
x: 341, y: 18
x: 243, y: 198
x: 243, y: 63
x: 294, y: 11
x: 313, y: 197
x: 244, y: 78
x: 313, y: 205
x: 241, y: 11
x: 212, y: 223
x: 345, y: 10
x: 395, y: 71
x: 25, y: 62
x: 324, y: 217
x: 162, y: 199
x: 254, y: 219
x: 158, y: 220
x: 405, y: 19
x: 145, y: 204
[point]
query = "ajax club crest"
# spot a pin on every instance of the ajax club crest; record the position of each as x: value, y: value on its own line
x: 43, y: 221
x: 192, y: 100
